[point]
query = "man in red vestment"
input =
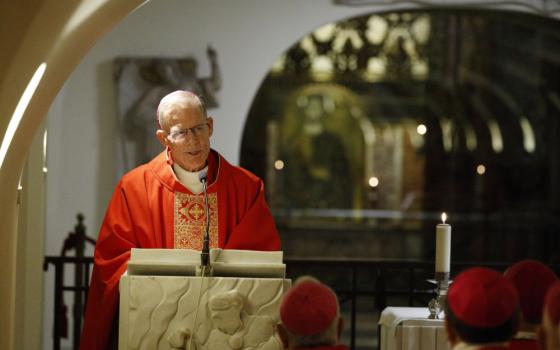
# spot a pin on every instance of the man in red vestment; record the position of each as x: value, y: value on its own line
x: 531, y: 279
x: 161, y: 205
x: 310, y: 317
x: 482, y: 311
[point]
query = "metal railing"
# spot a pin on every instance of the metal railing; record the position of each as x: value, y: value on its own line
x: 82, y: 267
x: 75, y: 241
x: 352, y: 280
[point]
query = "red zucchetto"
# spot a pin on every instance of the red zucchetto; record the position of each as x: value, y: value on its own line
x: 308, y: 308
x: 482, y: 298
x: 531, y: 279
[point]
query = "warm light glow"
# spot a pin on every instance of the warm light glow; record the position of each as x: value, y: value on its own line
x: 447, y: 126
x: 470, y: 136
x: 375, y: 68
x: 45, y: 134
x: 368, y: 133
x: 45, y: 138
x: 443, y: 217
x: 528, y: 135
x: 416, y: 139
x: 495, y: 136
x: 377, y: 29
x: 278, y: 65
x: 325, y: 32
x: 373, y: 181
x: 419, y: 69
x: 421, y: 29
x: 84, y: 10
x: 279, y: 164
x: 480, y: 169
x: 20, y: 110
x: 421, y: 129
x: 322, y: 67
x: 346, y: 35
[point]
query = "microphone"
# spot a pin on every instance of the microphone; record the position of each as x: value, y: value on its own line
x: 205, y: 254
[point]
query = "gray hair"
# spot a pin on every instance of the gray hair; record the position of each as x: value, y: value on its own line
x: 179, y: 99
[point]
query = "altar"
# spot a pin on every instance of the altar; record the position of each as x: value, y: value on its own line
x: 408, y: 328
x: 166, y: 303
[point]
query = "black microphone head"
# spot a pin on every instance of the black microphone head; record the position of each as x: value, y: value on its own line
x: 203, y: 176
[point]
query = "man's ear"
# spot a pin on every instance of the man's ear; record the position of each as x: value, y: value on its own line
x: 283, y: 334
x: 162, y: 137
x: 210, y: 122
x: 339, y: 328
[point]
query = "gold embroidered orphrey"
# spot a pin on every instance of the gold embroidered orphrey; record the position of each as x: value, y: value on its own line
x: 190, y: 220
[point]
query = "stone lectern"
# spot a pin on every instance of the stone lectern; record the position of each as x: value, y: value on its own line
x: 165, y: 302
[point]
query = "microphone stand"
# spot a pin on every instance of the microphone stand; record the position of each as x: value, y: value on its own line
x: 205, y: 268
x: 205, y: 255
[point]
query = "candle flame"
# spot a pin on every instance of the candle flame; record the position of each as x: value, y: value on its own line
x: 443, y: 217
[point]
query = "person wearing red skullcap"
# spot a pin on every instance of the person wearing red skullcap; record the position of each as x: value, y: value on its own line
x: 531, y: 279
x: 161, y: 204
x: 482, y: 310
x: 310, y: 317
x: 549, y: 332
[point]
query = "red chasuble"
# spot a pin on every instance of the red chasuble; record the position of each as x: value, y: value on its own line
x: 150, y: 208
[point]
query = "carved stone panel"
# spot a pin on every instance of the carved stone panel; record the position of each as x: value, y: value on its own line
x: 169, y: 312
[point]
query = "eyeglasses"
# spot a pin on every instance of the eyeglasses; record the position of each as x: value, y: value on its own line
x: 181, y: 134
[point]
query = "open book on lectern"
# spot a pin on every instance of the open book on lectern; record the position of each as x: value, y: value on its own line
x: 224, y: 263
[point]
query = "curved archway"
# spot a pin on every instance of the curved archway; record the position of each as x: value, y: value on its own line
x: 58, y: 34
x: 62, y: 31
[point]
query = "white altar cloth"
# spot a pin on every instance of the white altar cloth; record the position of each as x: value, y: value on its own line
x: 408, y: 328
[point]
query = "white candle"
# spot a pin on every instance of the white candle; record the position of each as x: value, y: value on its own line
x: 443, y: 245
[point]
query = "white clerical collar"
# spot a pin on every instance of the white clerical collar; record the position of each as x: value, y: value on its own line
x: 189, y: 179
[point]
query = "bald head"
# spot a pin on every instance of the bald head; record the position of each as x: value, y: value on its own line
x: 175, y: 101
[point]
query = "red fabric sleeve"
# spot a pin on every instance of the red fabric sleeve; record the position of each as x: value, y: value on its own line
x: 256, y: 230
x: 112, y: 252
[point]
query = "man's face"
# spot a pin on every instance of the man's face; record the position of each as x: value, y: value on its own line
x: 187, y: 134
